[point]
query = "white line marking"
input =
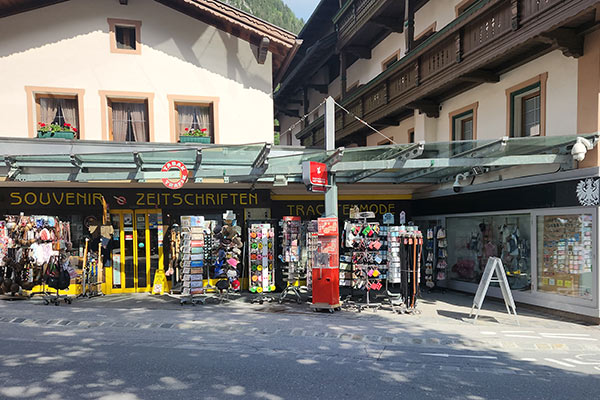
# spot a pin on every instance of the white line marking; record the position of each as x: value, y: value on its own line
x: 598, y: 368
x: 569, y: 338
x: 527, y: 359
x: 565, y: 334
x: 459, y: 356
x: 487, y: 333
x: 581, y: 362
x: 524, y: 336
x: 518, y: 332
x: 564, y: 364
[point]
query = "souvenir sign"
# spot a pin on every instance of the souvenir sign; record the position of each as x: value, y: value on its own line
x: 183, y: 174
x: 314, y: 175
x: 388, y: 219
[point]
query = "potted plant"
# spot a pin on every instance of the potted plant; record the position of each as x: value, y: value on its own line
x: 195, y: 135
x: 56, y: 131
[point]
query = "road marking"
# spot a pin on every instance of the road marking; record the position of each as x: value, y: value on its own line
x: 517, y: 331
x: 581, y: 362
x: 524, y: 336
x: 459, y: 356
x: 487, y: 333
x: 598, y: 368
x: 564, y: 364
x: 527, y: 359
x: 566, y: 334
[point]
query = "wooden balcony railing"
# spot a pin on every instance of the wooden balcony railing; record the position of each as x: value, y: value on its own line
x: 487, y: 31
x: 355, y: 13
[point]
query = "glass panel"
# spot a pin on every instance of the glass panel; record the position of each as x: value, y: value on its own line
x: 115, y: 244
x: 140, y: 226
x: 565, y: 254
x: 467, y: 129
x: 128, y: 237
x: 125, y: 37
x: 194, y: 117
x: 130, y: 122
x: 472, y: 240
x: 153, y: 225
x: 531, y: 116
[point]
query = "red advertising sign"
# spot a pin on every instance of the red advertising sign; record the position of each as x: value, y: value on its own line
x: 183, y: 174
x: 328, y: 226
x: 314, y: 175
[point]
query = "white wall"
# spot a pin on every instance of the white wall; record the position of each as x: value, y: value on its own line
x: 442, y: 12
x: 398, y: 134
x: 67, y: 46
x: 561, y: 99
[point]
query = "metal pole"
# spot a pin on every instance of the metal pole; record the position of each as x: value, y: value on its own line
x: 331, y: 195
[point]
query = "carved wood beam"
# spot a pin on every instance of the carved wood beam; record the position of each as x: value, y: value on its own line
x: 359, y: 51
x: 391, y: 23
x: 427, y: 107
x: 263, y: 50
x: 566, y: 40
x: 481, y: 76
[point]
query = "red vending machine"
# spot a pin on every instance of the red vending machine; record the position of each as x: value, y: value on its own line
x: 325, y: 271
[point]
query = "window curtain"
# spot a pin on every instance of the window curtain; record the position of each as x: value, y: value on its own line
x: 186, y: 117
x: 69, y: 110
x: 130, y: 116
x: 48, y: 109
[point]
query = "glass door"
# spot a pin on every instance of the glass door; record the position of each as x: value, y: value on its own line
x: 136, y: 249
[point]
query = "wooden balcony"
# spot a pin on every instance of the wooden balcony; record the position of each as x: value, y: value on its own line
x: 492, y: 37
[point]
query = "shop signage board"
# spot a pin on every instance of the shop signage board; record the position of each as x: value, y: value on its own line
x: 183, y: 174
x: 314, y: 176
x: 494, y: 264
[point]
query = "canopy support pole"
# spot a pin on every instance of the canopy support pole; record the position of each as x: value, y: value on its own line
x: 331, y: 195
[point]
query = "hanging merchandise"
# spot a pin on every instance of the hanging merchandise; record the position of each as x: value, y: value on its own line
x: 405, y: 248
x: 312, y: 241
x: 261, y: 277
x: 441, y: 261
x: 194, y: 230
x: 227, y: 251
x: 325, y: 273
x: 293, y: 272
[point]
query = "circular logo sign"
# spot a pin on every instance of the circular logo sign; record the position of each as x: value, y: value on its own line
x: 183, y: 174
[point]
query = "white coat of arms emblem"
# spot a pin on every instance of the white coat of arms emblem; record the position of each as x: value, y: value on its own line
x: 588, y: 192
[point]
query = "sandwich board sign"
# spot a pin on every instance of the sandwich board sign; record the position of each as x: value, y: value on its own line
x: 494, y: 264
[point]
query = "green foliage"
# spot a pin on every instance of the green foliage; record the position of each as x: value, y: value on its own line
x: 273, y: 11
x: 45, y: 128
x: 195, y: 132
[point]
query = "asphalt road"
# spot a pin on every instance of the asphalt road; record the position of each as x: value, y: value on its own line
x: 222, y: 353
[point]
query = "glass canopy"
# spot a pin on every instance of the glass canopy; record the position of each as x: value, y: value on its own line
x: 415, y: 163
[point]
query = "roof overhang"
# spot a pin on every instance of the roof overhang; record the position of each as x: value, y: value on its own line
x: 47, y: 160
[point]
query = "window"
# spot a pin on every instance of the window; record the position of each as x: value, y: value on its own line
x: 55, y: 106
x: 385, y: 142
x: 189, y: 113
x: 526, y: 104
x: 129, y: 120
x: 463, y: 6
x: 125, y: 36
x: 421, y: 37
x: 388, y: 62
x: 463, y: 123
x: 411, y: 135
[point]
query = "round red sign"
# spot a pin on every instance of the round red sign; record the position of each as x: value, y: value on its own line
x: 183, y: 177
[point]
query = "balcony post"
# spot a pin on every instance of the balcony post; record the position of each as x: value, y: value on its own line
x: 514, y: 14
x: 343, y: 73
x: 409, y: 32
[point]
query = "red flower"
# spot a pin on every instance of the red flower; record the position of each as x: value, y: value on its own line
x: 187, y: 129
x: 68, y: 125
x: 74, y: 129
x: 203, y: 129
x: 42, y: 124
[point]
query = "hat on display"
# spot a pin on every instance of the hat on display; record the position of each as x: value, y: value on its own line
x: 217, y: 229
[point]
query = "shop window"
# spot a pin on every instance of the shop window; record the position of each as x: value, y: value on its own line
x: 57, y: 109
x: 526, y: 106
x: 125, y: 36
x: 129, y: 120
x: 472, y: 240
x: 565, y: 255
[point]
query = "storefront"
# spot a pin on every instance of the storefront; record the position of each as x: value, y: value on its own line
x: 544, y: 233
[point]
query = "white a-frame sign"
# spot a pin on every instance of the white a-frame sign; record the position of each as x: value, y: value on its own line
x: 494, y: 264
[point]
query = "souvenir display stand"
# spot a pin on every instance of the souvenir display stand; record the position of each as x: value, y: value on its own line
x: 227, y: 255
x: 291, y: 234
x: 368, y: 244
x: 261, y: 248
x: 441, y: 262
x: 193, y: 252
x: 435, y: 255
x: 311, y: 247
x: 405, y: 248
x: 29, y: 245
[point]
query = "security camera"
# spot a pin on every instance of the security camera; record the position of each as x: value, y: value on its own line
x: 457, y: 187
x: 580, y: 148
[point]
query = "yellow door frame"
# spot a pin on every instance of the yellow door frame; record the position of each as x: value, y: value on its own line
x: 109, y: 271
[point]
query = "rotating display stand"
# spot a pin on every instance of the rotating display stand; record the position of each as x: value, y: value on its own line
x: 261, y: 274
x: 291, y: 233
x: 194, y: 247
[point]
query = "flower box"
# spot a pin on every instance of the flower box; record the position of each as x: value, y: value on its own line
x: 56, y: 135
x: 194, y: 139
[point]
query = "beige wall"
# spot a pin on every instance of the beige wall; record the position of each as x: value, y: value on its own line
x: 442, y: 12
x: 67, y: 46
x: 398, y: 134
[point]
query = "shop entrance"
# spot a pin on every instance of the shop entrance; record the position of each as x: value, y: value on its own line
x: 136, y: 252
